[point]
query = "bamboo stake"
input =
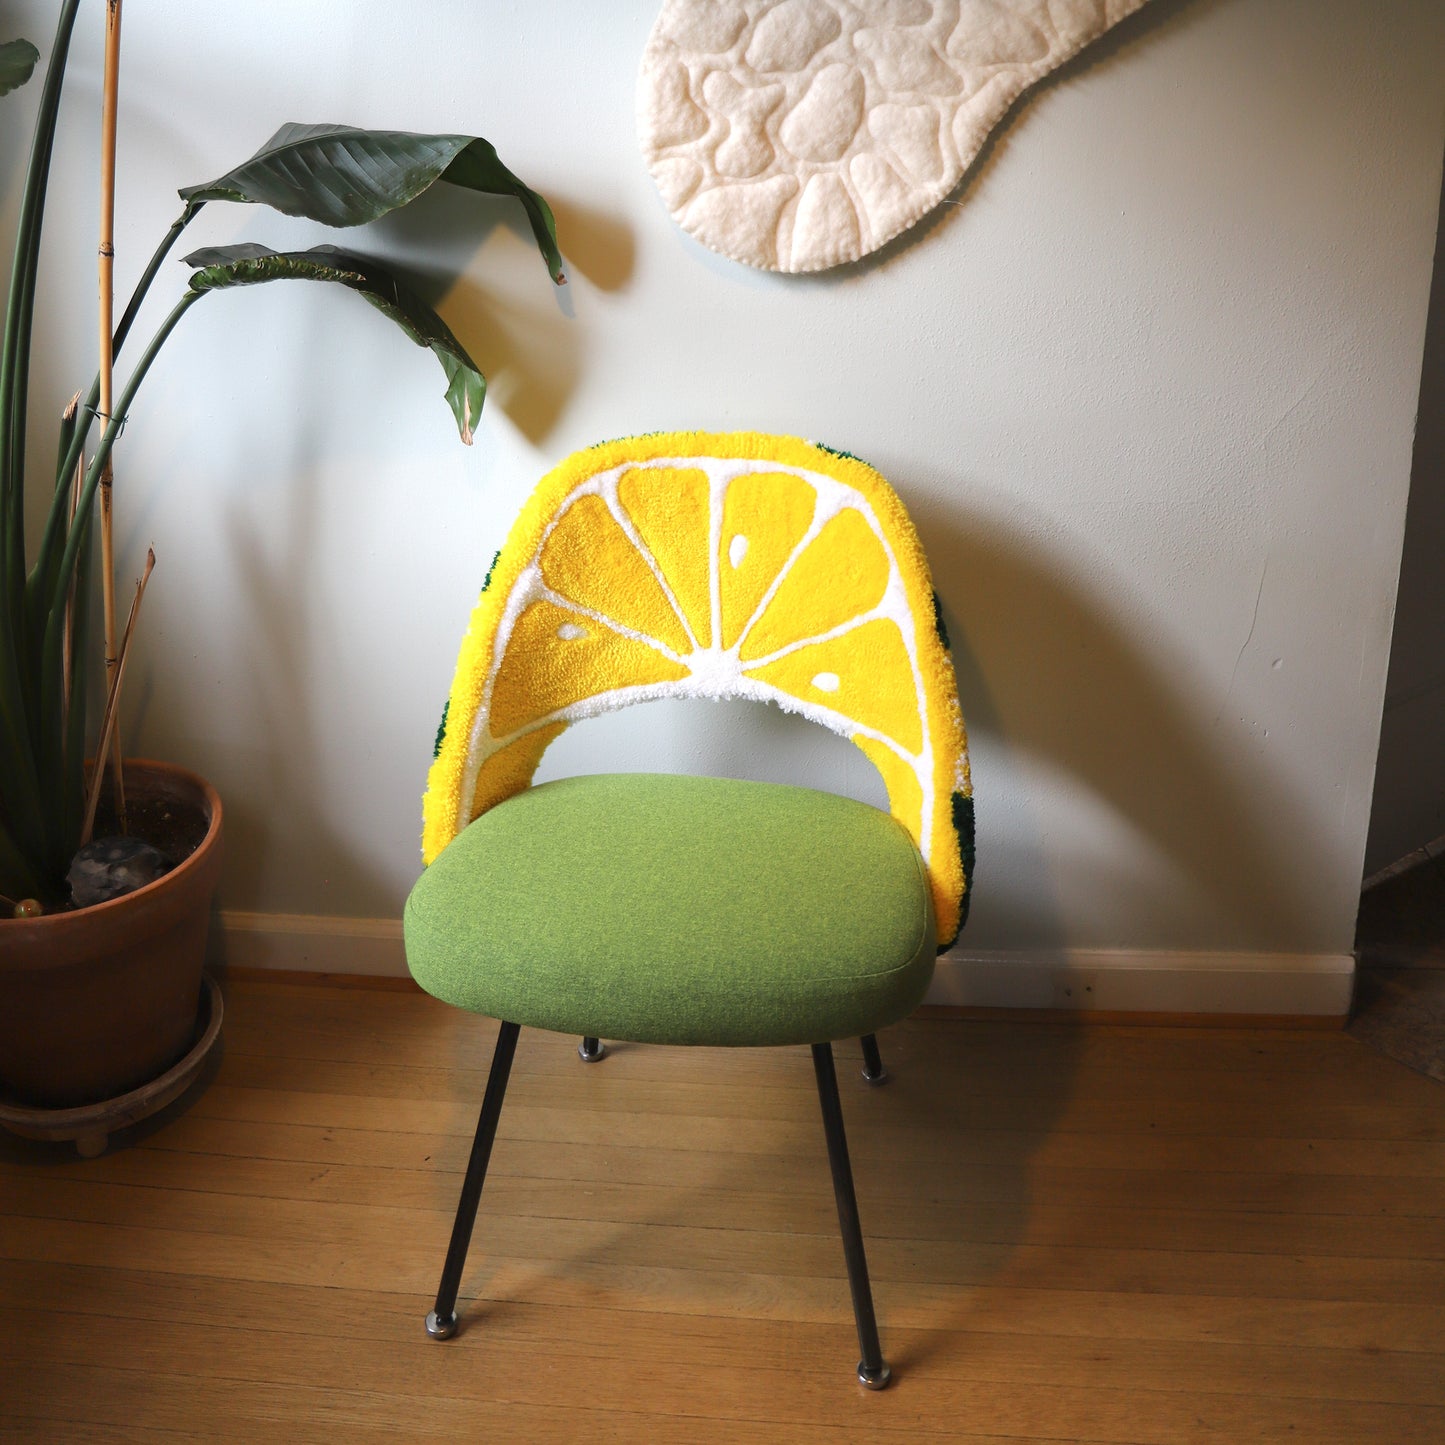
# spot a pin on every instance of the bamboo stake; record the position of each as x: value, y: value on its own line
x: 107, y: 331
x: 112, y: 702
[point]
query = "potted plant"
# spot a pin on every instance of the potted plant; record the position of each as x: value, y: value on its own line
x: 97, y: 998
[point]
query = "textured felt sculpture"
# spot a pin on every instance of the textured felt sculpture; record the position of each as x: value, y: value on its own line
x: 697, y: 565
x: 799, y: 135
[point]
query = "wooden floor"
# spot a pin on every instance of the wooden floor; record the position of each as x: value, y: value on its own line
x: 1076, y: 1234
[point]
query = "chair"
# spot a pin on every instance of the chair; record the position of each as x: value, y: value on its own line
x: 695, y: 910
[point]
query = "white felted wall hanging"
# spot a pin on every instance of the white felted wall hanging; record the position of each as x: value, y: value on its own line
x: 795, y: 135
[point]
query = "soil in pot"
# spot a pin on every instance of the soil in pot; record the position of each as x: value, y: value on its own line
x: 155, y: 836
x: 174, y: 825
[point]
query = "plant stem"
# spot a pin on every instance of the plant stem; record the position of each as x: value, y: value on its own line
x: 42, y: 577
x: 106, y: 327
x: 112, y: 706
x: 142, y: 286
x: 55, y: 609
x: 14, y: 366
x: 72, y: 775
x: 69, y: 651
x: 16, y: 867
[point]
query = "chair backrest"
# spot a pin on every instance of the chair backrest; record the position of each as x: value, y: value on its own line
x: 699, y: 565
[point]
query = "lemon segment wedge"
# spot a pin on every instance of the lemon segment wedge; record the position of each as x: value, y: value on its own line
x: 558, y: 657
x: 671, y: 509
x: 628, y: 592
x: 864, y: 675
x: 840, y: 574
x: 750, y: 559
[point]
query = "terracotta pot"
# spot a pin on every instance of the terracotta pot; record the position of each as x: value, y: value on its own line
x: 96, y: 1002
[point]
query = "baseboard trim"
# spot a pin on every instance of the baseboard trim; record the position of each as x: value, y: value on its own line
x: 309, y: 943
x: 1167, y: 983
x: 1101, y: 984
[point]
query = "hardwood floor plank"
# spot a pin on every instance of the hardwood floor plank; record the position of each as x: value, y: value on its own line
x: 278, y: 1198
x: 976, y: 1081
x: 236, y: 1408
x: 287, y: 1245
x: 608, y: 1092
x: 883, y: 1148
x: 976, y: 1353
x: 271, y: 1377
x: 316, y: 1021
x: 96, y: 1433
x: 1301, y: 1197
x: 1187, y: 1321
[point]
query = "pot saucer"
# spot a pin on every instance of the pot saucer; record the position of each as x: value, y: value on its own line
x: 91, y: 1125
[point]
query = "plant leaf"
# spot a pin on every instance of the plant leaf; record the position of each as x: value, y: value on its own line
x: 18, y: 878
x: 479, y: 168
x: 17, y: 60
x: 223, y: 267
x: 343, y: 176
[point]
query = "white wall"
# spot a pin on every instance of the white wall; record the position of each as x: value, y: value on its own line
x: 1148, y: 384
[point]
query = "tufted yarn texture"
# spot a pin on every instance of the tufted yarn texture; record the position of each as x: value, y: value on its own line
x: 713, y: 565
x: 795, y: 135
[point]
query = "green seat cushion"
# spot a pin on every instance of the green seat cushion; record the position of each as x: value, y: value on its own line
x: 679, y: 910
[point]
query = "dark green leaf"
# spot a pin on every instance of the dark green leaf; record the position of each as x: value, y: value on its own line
x: 248, y: 265
x: 343, y: 176
x: 18, y: 878
x: 478, y: 168
x: 17, y: 60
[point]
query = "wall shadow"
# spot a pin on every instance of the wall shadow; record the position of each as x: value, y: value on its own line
x: 482, y: 272
x: 1408, y: 808
x: 1045, y: 671
x: 287, y: 726
x: 941, y: 1158
x: 266, y: 644
x: 1058, y: 698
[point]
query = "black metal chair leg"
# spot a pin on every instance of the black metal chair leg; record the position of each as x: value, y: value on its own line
x: 590, y: 1050
x: 873, y: 1370
x: 441, y: 1323
x: 873, y: 1069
